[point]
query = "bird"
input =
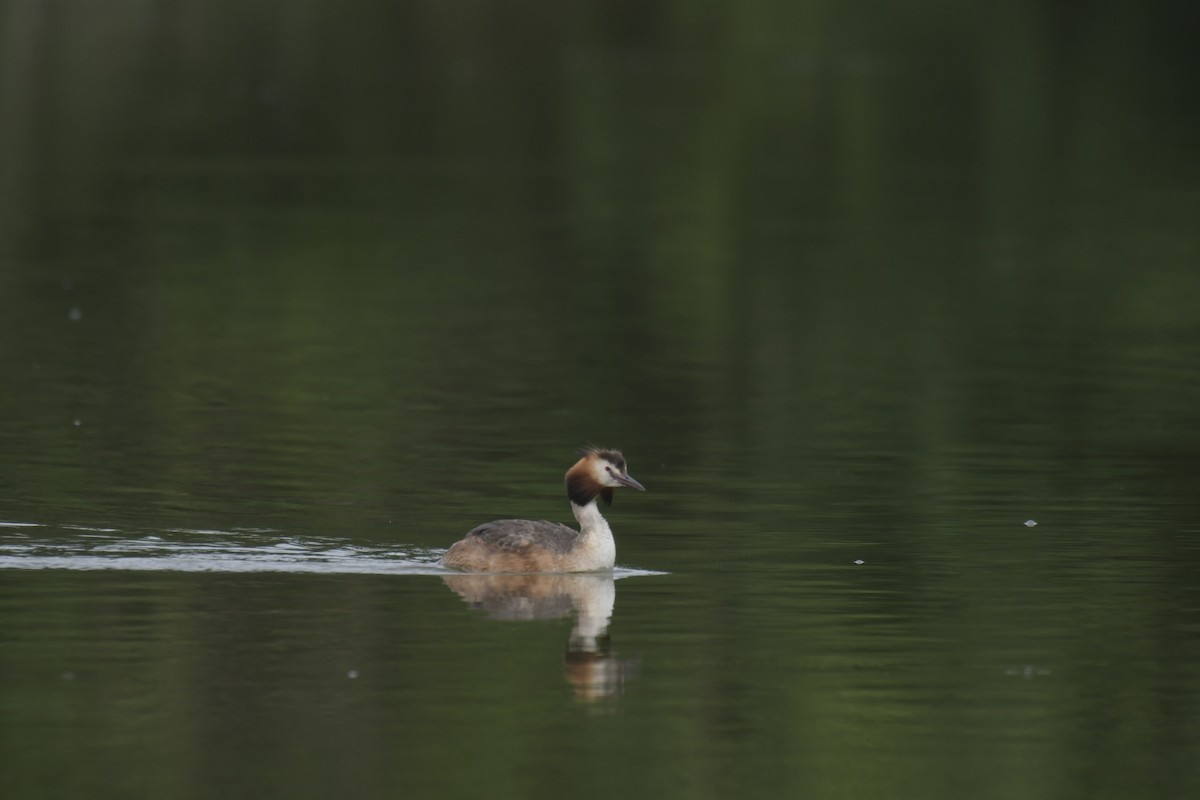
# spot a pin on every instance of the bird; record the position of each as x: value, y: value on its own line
x: 524, y: 545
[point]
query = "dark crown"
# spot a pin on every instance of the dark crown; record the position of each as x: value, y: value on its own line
x: 613, y: 457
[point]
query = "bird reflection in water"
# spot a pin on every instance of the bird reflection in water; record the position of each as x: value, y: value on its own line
x: 590, y: 666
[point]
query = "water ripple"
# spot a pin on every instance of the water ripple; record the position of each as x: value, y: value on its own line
x: 79, y: 547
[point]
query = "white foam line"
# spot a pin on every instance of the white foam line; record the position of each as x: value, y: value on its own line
x: 202, y: 531
x: 176, y: 564
x: 95, y: 549
x: 20, y: 524
x: 632, y: 572
x: 234, y: 563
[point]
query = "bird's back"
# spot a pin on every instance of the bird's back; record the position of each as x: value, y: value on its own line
x: 513, y: 545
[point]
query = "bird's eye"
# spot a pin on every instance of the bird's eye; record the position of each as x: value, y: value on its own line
x: 610, y: 472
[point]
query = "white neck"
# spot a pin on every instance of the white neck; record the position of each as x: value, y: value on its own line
x: 590, y: 519
x: 596, y: 535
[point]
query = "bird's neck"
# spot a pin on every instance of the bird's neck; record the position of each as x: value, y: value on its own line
x: 596, y: 544
x: 591, y: 521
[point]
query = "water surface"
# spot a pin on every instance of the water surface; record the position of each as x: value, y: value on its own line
x: 290, y: 298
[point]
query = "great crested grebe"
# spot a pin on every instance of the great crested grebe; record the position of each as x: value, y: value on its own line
x: 524, y: 545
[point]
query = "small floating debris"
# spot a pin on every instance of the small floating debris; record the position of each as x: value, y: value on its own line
x: 1030, y: 523
x: 78, y: 422
x: 75, y: 314
x: 859, y: 561
x: 352, y: 674
x: 1028, y: 671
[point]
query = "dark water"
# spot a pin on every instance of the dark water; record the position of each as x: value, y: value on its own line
x: 293, y: 295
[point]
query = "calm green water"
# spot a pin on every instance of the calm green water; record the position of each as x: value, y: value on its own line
x: 293, y: 295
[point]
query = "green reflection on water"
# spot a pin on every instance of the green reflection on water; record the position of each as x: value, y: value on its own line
x: 847, y: 283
